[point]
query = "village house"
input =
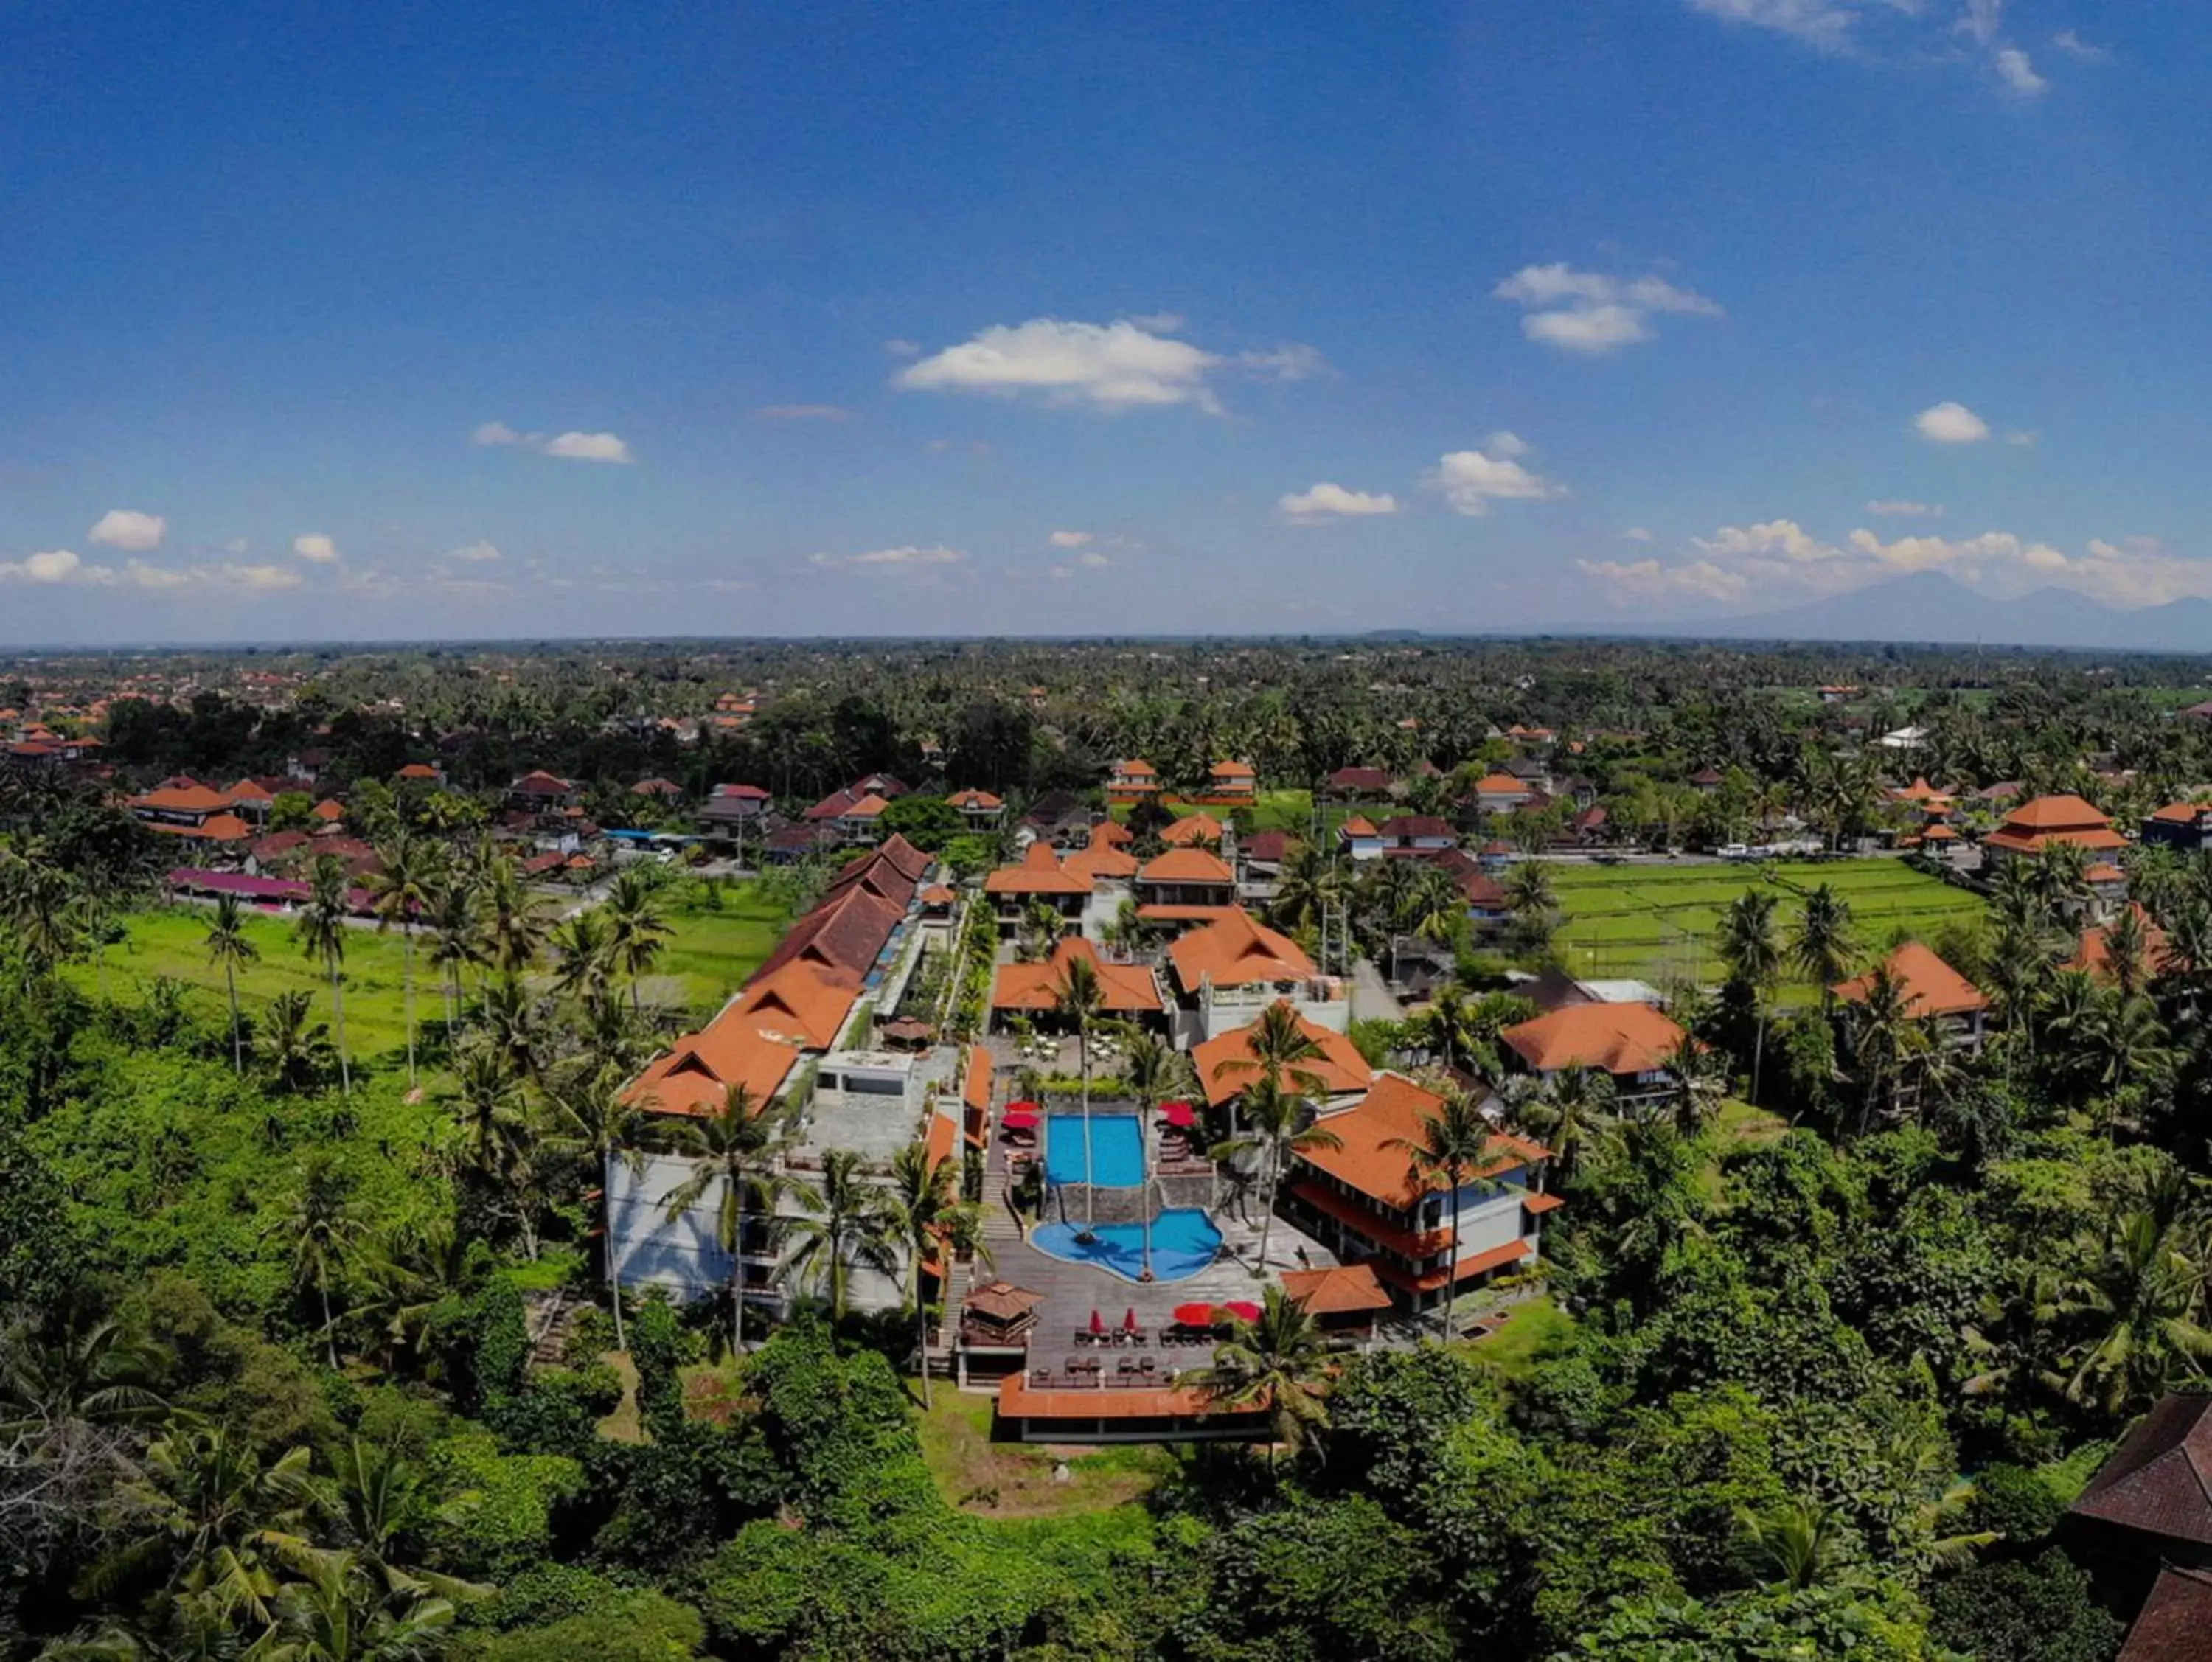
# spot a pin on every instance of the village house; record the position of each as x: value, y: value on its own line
x: 1501, y: 793
x: 1633, y: 1043
x: 1363, y: 1201
x: 735, y: 812
x: 1133, y: 781
x: 1127, y: 991
x: 1193, y: 830
x: 1230, y: 969
x: 1170, y: 884
x: 2048, y: 820
x: 1355, y: 784
x: 1930, y: 991
x: 541, y: 793
x: 1360, y: 838
x: 1232, y: 782
x: 981, y: 810
x: 1416, y: 834
x: 1038, y: 878
x: 2186, y: 827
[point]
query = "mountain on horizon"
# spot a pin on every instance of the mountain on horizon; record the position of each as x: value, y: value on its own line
x: 1932, y: 609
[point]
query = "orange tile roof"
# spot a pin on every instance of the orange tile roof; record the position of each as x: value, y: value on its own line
x: 2095, y: 838
x: 1233, y: 770
x: 2048, y: 813
x: 979, y: 800
x: 1499, y: 784
x: 2094, y: 952
x: 1349, y: 1289
x: 1394, y: 1107
x: 801, y: 1002
x: 2185, y: 813
x: 694, y: 1077
x: 1540, y: 1204
x: 1339, y: 1067
x: 975, y: 1090
x: 1136, y: 768
x: 1039, y: 872
x: 184, y: 799
x: 1357, y: 826
x: 246, y: 790
x: 417, y: 771
x: 1930, y: 987
x: 939, y: 1140
x: 1619, y: 1039
x: 1106, y: 834
x: 1157, y: 913
x: 2105, y: 872
x: 216, y: 828
x: 867, y: 808
x: 1186, y: 866
x: 937, y: 895
x: 1496, y: 1258
x: 1124, y: 988
x: 1235, y: 951
x: 1020, y: 1400
x: 1106, y: 855
x: 329, y: 811
x: 1191, y: 829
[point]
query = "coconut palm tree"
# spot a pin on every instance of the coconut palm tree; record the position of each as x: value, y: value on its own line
x: 295, y: 1049
x: 1886, y: 1039
x: 741, y: 1147
x: 1798, y: 1545
x: 926, y: 1215
x: 1823, y: 943
x: 38, y: 899
x: 228, y: 945
x: 321, y: 933
x: 2127, y: 953
x: 488, y: 1108
x: 1567, y: 1113
x: 637, y: 933
x: 323, y: 1229
x: 1749, y: 947
x: 1276, y: 1364
x: 456, y: 941
x: 848, y: 1227
x: 1452, y: 1148
x: 1694, y: 1084
x: 506, y: 1024
x: 514, y: 924
x: 400, y: 892
x: 584, y: 946
x: 2141, y: 1300
x: 1078, y: 999
x: 1271, y: 1116
x: 591, y: 1115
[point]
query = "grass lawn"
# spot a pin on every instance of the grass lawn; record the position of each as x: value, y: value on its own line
x: 1511, y: 1352
x: 708, y: 954
x: 1650, y: 922
x: 1015, y: 1480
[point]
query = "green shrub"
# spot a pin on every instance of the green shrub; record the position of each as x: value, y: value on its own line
x: 641, y: 1626
x: 2038, y: 1611
x: 498, y: 1513
x: 2015, y: 1502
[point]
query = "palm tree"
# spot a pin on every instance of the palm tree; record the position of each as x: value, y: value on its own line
x: 400, y: 890
x: 295, y: 1050
x: 1749, y: 948
x: 457, y: 928
x: 346, y: 1607
x: 37, y: 898
x: 637, y: 933
x: 1453, y: 1147
x: 2127, y: 953
x: 514, y: 928
x: 488, y: 1109
x: 1276, y: 1363
x: 321, y: 933
x: 1822, y: 944
x: 1693, y: 1078
x: 1798, y: 1545
x: 1566, y: 1113
x: 1528, y: 889
x: 848, y: 1226
x: 1885, y: 1040
x: 92, y: 1372
x: 593, y: 1115
x: 740, y: 1146
x: 585, y: 950
x: 322, y: 1230
x: 1078, y: 999
x: 507, y: 1025
x: 2126, y: 1040
x: 926, y: 1214
x: 226, y: 944
x: 1270, y: 1115
x: 2139, y: 1299
x: 1312, y: 885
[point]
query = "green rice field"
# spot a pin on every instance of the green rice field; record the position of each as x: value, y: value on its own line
x: 708, y: 954
x: 1657, y: 922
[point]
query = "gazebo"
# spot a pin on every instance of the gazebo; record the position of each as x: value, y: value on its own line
x: 995, y: 1323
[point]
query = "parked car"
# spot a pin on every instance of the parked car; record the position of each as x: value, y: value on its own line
x: 1733, y: 851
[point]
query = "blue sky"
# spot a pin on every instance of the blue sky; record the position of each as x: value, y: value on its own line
x: 546, y: 318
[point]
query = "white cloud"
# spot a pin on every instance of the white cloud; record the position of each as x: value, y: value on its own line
x: 2018, y: 73
x: 1636, y: 534
x: 1590, y: 312
x: 58, y: 565
x: 260, y: 578
x: 567, y: 447
x: 1504, y: 443
x: 1115, y: 366
x: 1094, y: 559
x: 1899, y: 506
x: 315, y: 548
x: 235, y: 545
x: 132, y: 532
x: 1328, y: 501
x: 803, y: 412
x: 902, y: 349
x: 1071, y: 538
x: 61, y: 566
x: 477, y: 553
x: 588, y: 446
x: 2078, y: 49
x: 907, y: 555
x: 1823, y: 23
x: 1982, y: 20
x: 1951, y: 423
x: 2026, y: 441
x: 1471, y: 480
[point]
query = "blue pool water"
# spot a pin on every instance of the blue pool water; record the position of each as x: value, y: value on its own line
x: 1184, y: 1241
x: 1114, y: 1145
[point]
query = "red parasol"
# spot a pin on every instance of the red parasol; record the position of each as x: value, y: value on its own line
x: 1244, y: 1310
x: 1178, y: 1114
x: 1097, y: 1322
x: 1019, y: 1119
x: 1129, y: 1319
x: 1193, y: 1315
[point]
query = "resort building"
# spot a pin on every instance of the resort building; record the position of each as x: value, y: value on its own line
x: 1232, y: 782
x: 2036, y: 825
x: 1931, y: 991
x: 1363, y: 1201
x: 1193, y: 830
x: 1133, y: 781
x: 1170, y: 886
x: 1338, y: 1075
x: 1126, y: 990
x: 981, y: 810
x: 1228, y: 970
x: 1632, y: 1042
x: 2183, y: 825
x: 1038, y: 876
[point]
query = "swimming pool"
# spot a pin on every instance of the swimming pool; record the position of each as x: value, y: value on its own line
x: 1184, y: 1242
x: 1116, y: 1147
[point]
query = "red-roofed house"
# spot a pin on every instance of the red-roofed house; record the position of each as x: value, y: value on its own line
x: 1498, y: 793
x: 2034, y: 826
x: 1417, y: 834
x: 2151, y: 1501
x: 1633, y: 1043
x: 1124, y: 990
x: 1932, y: 991
x: 1038, y: 877
x: 1232, y: 782
x: 981, y: 810
x: 1133, y: 781
x: 1186, y: 877
x: 2183, y: 825
x: 188, y: 805
x: 1360, y: 838
x: 541, y: 793
x: 1340, y: 1073
x: 1365, y: 1200
x: 1355, y: 783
